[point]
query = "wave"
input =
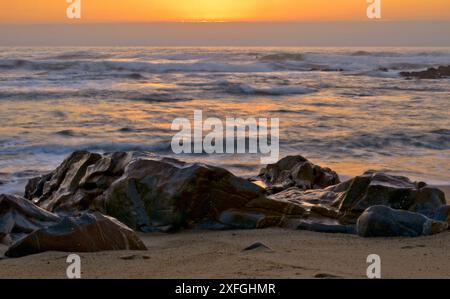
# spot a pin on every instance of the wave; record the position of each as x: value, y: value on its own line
x: 135, y: 66
x: 105, y: 94
x: 244, y: 89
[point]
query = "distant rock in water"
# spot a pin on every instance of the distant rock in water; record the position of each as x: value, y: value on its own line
x: 280, y: 57
x: 431, y: 73
x: 296, y: 171
x: 150, y: 193
x: 382, y: 221
x: 28, y: 230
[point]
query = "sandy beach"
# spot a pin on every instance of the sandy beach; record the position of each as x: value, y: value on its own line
x: 293, y: 254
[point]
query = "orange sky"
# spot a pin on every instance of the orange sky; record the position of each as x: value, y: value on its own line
x: 54, y: 11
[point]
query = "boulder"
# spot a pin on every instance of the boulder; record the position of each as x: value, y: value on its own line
x: 431, y: 73
x: 348, y: 200
x: 166, y: 192
x: 19, y: 217
x: 296, y: 171
x: 86, y: 233
x: 29, y: 229
x: 382, y: 221
x: 397, y: 192
x: 151, y: 193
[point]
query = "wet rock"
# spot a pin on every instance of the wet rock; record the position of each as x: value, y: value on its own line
x: 86, y: 233
x: 296, y: 171
x: 382, y: 221
x: 431, y: 73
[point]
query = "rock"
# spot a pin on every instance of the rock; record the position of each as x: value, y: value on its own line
x: 19, y: 217
x: 382, y: 221
x: 150, y: 193
x: 296, y: 171
x: 431, y: 73
x: 257, y: 246
x: 86, y: 233
x: 397, y: 192
x: 443, y: 214
x: 166, y: 192
x: 31, y: 229
x: 155, y: 194
x: 348, y: 200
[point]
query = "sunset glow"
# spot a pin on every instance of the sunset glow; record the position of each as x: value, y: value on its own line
x: 48, y: 11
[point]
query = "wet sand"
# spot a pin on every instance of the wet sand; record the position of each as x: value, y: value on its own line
x: 293, y: 254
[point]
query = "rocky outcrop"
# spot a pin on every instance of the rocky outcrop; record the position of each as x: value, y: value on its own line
x: 431, y: 73
x: 30, y: 229
x: 348, y: 200
x: 382, y: 221
x: 296, y: 171
x: 150, y: 193
x: 86, y: 233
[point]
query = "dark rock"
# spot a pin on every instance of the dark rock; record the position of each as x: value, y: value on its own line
x: 19, y: 217
x: 31, y: 229
x: 348, y: 200
x: 257, y: 246
x: 397, y: 192
x: 443, y: 214
x: 382, y: 221
x: 154, y: 194
x: 149, y: 193
x: 160, y: 192
x: 87, y: 233
x: 296, y: 171
x: 431, y: 73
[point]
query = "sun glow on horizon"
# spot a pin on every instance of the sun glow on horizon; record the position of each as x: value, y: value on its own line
x: 31, y: 11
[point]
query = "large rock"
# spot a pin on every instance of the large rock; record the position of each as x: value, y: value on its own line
x: 19, y: 217
x: 30, y: 229
x: 149, y: 193
x: 348, y: 200
x: 296, y: 171
x: 382, y: 221
x: 166, y: 192
x: 86, y: 233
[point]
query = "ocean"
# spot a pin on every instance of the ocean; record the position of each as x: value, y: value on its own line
x: 345, y: 108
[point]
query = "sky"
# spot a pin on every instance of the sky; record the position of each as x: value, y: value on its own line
x: 53, y: 11
x: 224, y: 23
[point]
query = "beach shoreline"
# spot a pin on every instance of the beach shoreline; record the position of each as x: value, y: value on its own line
x: 220, y: 255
